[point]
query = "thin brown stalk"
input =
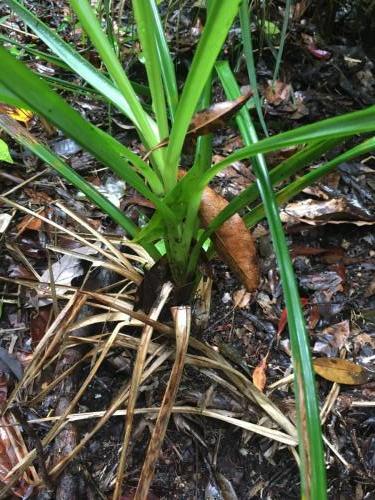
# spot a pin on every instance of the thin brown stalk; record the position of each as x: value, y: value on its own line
x: 182, y: 318
x: 49, y: 342
x: 135, y: 382
x: 223, y: 415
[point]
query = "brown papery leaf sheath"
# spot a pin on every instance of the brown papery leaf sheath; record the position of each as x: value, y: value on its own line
x: 233, y: 241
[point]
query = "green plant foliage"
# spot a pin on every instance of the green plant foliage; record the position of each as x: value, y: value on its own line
x: 4, y: 152
x: 174, y: 227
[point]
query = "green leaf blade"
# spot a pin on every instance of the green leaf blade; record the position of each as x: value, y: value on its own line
x: 4, y: 152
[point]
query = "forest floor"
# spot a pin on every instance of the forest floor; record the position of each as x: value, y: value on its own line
x: 331, y: 236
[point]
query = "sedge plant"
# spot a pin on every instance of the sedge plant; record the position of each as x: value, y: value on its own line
x: 177, y: 199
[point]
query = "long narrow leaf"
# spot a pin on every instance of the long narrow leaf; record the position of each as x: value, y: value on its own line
x: 75, y: 61
x: 212, y: 39
x: 245, y: 21
x: 165, y: 60
x: 38, y: 53
x: 146, y: 33
x: 284, y: 28
x: 9, y: 97
x: 92, y: 27
x: 313, y: 484
x: 357, y: 122
x: 21, y: 135
x: 298, y: 185
x: 36, y: 93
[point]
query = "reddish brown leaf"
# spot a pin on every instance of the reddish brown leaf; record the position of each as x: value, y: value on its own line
x: 38, y: 197
x: 216, y: 116
x: 284, y: 317
x: 314, y: 316
x: 3, y: 388
x: 259, y: 374
x: 210, y: 119
x: 30, y: 222
x: 233, y: 241
x: 39, y: 323
x: 12, y: 450
x: 277, y: 92
x: 138, y: 200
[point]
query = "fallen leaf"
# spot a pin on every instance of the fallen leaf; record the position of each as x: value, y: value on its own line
x: 39, y: 323
x: 38, y: 197
x: 332, y: 339
x: 325, y: 280
x: 277, y: 92
x: 341, y: 371
x: 9, y: 364
x: 233, y: 241
x: 216, y: 116
x: 4, y: 379
x: 65, y: 147
x: 323, y: 55
x: 320, y: 54
x: 12, y: 451
x: 210, y: 119
x: 241, y: 298
x: 339, y: 332
x: 259, y: 374
x: 19, y: 114
x: 31, y: 223
x: 4, y: 222
x: 334, y: 211
x: 284, y: 317
x: 65, y: 270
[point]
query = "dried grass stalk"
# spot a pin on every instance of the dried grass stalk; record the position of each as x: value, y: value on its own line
x: 182, y: 318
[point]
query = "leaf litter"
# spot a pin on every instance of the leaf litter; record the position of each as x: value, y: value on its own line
x: 248, y: 461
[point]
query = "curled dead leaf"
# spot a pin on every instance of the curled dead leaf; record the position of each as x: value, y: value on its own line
x: 341, y: 371
x: 233, y: 241
x: 210, y: 119
x: 216, y: 116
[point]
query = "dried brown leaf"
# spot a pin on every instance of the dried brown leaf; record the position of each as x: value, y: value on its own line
x: 277, y: 92
x: 339, y: 333
x: 259, y: 375
x: 241, y: 298
x: 31, y: 223
x: 210, y: 119
x: 233, y: 241
x: 334, y: 211
x: 216, y: 116
x: 341, y: 371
